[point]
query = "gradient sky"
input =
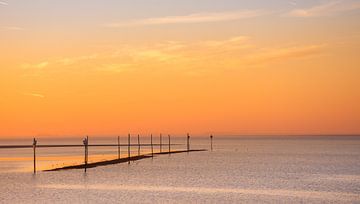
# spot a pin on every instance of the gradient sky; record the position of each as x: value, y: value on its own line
x: 108, y: 67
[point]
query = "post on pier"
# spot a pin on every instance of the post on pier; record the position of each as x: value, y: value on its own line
x: 118, y: 147
x: 128, y: 148
x: 86, y: 143
x: 169, y: 144
x: 152, y: 147
x: 188, y: 142
x: 160, y: 142
x: 34, y: 149
x: 138, y: 145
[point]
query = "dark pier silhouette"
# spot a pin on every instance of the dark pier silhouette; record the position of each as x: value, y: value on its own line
x: 127, y: 159
x: 118, y: 161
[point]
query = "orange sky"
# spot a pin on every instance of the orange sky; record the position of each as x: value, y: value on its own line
x: 238, y: 68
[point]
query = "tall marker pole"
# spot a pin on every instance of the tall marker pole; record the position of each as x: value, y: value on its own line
x: 211, y: 142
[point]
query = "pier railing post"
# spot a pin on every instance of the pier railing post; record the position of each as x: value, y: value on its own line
x: 188, y: 142
x: 160, y: 142
x: 211, y: 142
x: 34, y: 149
x: 86, y: 142
x: 118, y: 147
x: 138, y: 145
x: 129, y: 149
x: 152, y: 147
x: 169, y: 144
x: 87, y: 150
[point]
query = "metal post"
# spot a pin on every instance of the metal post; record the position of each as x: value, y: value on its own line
x: 138, y: 145
x: 34, y: 148
x: 160, y: 142
x: 188, y: 142
x: 87, y: 149
x: 118, y: 147
x: 152, y: 147
x: 169, y: 144
x: 129, y: 149
x: 85, y: 142
x: 211, y: 142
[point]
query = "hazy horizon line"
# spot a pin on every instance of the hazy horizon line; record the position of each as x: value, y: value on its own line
x: 184, y: 135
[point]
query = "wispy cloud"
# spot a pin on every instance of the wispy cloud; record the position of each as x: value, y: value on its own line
x: 116, y: 67
x: 34, y: 95
x: 329, y: 8
x: 15, y: 28
x: 192, y: 18
x: 283, y: 53
x: 3, y: 3
x: 73, y: 60
x: 195, y: 58
x: 39, y: 65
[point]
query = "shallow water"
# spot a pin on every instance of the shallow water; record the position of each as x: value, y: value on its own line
x: 246, y: 169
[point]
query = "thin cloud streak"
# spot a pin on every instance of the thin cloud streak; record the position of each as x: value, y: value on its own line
x: 284, y: 53
x: 192, y: 18
x: 326, y: 9
x: 40, y: 65
x: 188, y: 57
x: 34, y: 95
x: 15, y: 28
x: 3, y: 3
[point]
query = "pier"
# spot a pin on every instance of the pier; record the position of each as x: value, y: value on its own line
x: 127, y: 159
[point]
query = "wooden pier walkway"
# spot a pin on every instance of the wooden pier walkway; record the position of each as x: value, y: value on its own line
x: 122, y: 160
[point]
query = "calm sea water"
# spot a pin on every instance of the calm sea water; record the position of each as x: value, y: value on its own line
x: 239, y: 170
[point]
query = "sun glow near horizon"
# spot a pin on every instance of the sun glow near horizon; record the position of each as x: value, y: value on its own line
x: 248, y: 67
